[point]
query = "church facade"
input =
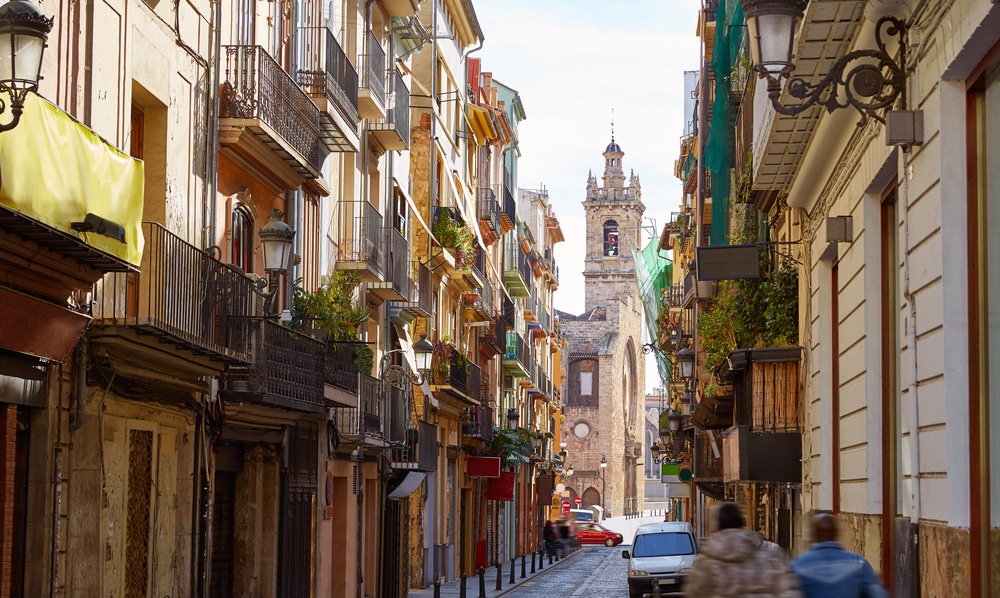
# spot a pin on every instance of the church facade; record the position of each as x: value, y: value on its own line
x: 604, y: 391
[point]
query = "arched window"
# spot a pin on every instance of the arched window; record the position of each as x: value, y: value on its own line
x: 610, y: 238
x: 242, y: 240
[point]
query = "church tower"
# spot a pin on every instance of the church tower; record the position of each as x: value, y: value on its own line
x: 603, y: 398
x: 614, y: 215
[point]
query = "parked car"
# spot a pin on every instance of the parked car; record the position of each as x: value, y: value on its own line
x: 661, y: 551
x: 588, y: 532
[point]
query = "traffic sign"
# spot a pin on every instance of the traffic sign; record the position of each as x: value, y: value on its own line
x: 578, y: 500
x: 565, y: 506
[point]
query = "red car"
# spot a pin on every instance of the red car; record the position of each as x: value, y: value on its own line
x: 593, y: 533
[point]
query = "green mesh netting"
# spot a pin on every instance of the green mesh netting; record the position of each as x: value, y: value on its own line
x: 720, y: 147
x: 654, y: 273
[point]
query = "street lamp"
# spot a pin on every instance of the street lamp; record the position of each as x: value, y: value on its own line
x: 276, y: 238
x: 685, y: 359
x: 423, y: 350
x: 512, y: 418
x: 24, y: 29
x: 874, y: 82
x: 604, y: 485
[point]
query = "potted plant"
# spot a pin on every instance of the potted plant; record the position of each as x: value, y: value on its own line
x: 441, y: 358
x: 453, y: 233
x: 332, y: 312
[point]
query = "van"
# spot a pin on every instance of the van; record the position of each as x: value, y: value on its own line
x: 581, y: 514
x: 661, y: 551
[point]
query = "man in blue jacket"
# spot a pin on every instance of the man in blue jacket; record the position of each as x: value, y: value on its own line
x: 827, y: 570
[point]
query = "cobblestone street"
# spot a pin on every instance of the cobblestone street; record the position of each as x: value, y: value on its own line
x: 594, y: 571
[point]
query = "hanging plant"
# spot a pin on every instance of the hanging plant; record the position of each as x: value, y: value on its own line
x: 331, y: 308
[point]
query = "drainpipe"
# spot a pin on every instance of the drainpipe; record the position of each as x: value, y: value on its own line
x: 81, y: 384
x: 212, y: 99
x: 911, y: 342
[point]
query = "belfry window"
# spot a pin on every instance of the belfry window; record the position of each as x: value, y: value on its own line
x: 610, y: 238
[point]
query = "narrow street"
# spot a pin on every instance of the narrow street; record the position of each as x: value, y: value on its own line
x: 593, y: 571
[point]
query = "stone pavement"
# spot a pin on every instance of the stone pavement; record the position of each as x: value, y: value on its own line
x: 590, y: 571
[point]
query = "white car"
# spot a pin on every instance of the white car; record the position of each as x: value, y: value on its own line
x: 661, y: 551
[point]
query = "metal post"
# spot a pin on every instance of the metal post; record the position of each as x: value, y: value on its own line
x: 541, y: 560
x: 437, y: 587
x: 461, y: 588
x: 511, y: 580
x: 482, y: 582
x: 523, y: 572
x: 533, y: 560
x: 499, y: 576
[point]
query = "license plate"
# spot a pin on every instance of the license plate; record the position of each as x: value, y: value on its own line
x: 667, y: 582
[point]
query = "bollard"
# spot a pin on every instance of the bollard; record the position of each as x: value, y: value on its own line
x: 482, y: 582
x: 437, y: 588
x: 511, y: 580
x: 461, y: 588
x: 499, y: 576
x: 533, y: 562
x: 550, y: 559
x: 523, y: 571
x: 541, y: 560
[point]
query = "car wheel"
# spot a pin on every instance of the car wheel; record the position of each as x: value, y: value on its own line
x: 609, y: 542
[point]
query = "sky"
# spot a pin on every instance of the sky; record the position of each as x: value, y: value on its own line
x: 576, y: 65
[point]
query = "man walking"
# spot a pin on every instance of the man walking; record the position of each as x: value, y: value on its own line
x: 739, y: 562
x: 827, y: 570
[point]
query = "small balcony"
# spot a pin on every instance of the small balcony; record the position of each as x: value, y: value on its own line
x: 287, y: 370
x: 516, y: 270
x: 340, y: 374
x: 371, y: 95
x: 508, y: 311
x: 329, y: 78
x: 401, y: 8
x: 361, y: 239
x: 364, y: 420
x: 420, y: 302
x: 182, y: 312
x: 463, y: 379
x: 266, y: 118
x: 494, y: 338
x: 517, y: 359
x: 398, y: 285
x: 393, y: 132
x: 419, y: 451
x: 477, y: 424
x: 508, y: 210
x: 489, y: 216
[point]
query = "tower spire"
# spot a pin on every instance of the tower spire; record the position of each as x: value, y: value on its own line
x: 612, y: 125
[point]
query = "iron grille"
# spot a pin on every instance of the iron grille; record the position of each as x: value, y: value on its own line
x: 327, y: 72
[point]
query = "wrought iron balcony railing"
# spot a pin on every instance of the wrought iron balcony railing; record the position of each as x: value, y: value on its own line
x: 489, y: 210
x: 360, y: 240
x: 517, y: 274
x: 339, y: 368
x: 464, y: 376
x: 287, y: 369
x: 517, y: 360
x: 393, y: 132
x: 508, y: 311
x: 508, y: 214
x: 477, y: 422
x: 420, y: 301
x: 419, y: 450
x: 374, y: 72
x: 398, y: 284
x: 326, y: 73
x: 183, y: 296
x: 256, y: 87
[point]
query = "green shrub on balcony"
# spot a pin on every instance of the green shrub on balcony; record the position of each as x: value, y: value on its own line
x: 331, y: 311
x: 453, y: 233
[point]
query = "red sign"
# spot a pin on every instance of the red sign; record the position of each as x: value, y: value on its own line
x: 565, y: 507
x: 483, y: 467
x: 578, y: 500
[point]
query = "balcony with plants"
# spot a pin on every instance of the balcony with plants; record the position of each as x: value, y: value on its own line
x: 456, y: 236
x: 453, y: 373
x: 330, y: 79
x: 266, y: 118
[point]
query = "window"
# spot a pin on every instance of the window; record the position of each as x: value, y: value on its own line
x: 586, y: 383
x: 241, y: 248
x: 665, y: 544
x: 243, y: 22
x: 610, y: 238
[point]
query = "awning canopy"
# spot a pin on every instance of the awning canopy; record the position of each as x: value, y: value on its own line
x: 58, y: 172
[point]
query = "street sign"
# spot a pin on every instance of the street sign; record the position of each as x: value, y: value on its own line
x: 565, y: 507
x: 578, y: 500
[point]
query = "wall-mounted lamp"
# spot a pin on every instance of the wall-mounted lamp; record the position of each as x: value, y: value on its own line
x: 868, y: 80
x: 512, y: 418
x: 24, y: 29
x: 423, y: 350
x: 685, y: 359
x: 276, y: 237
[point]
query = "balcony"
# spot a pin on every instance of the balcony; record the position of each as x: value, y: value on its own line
x: 508, y: 213
x: 287, y: 370
x: 516, y: 270
x: 184, y: 312
x: 517, y: 359
x: 267, y: 122
x: 340, y: 374
x: 489, y: 216
x: 478, y: 305
x: 359, y: 247
x: 393, y: 132
x: 419, y: 304
x: 463, y: 380
x: 371, y: 95
x: 329, y: 78
x: 477, y: 424
x: 494, y: 338
x: 364, y: 420
x: 398, y: 285
x: 401, y: 8
x: 419, y: 453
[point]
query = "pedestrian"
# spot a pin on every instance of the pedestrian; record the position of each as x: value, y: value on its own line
x: 550, y: 538
x: 827, y: 570
x: 739, y: 562
x: 564, y: 537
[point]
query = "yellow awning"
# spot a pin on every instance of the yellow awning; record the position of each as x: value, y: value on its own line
x: 57, y: 171
x: 479, y: 121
